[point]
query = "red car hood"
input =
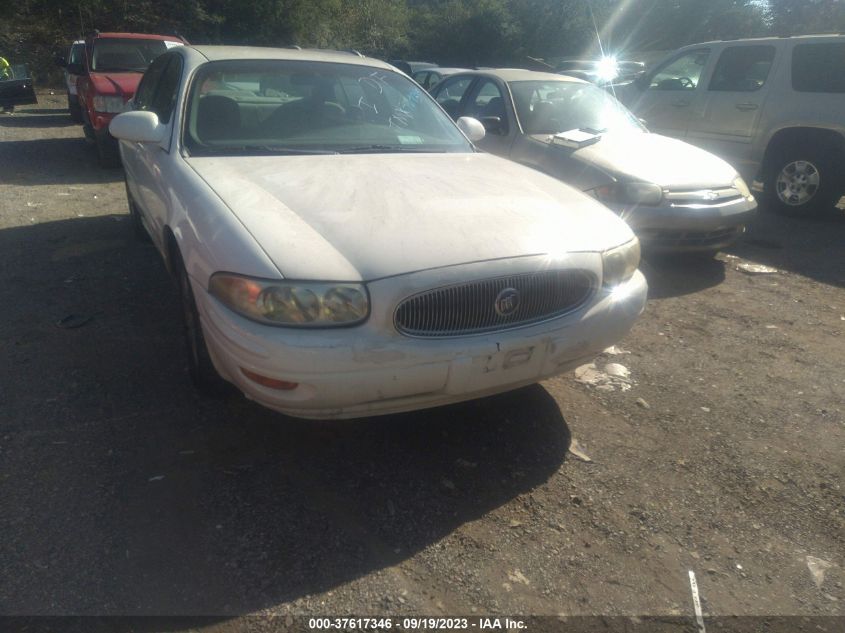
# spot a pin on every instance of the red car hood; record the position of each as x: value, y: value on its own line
x: 123, y: 84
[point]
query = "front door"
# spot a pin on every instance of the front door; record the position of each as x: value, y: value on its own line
x: 667, y: 98
x: 16, y: 86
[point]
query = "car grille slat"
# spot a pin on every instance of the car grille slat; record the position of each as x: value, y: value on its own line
x: 470, y: 307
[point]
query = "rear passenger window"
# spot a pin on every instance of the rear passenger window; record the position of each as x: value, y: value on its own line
x: 742, y: 69
x: 819, y: 67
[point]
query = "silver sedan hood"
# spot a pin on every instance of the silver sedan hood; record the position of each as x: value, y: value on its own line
x: 646, y: 157
x: 365, y: 217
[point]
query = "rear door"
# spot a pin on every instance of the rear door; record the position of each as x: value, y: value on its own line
x: 668, y: 96
x: 16, y: 87
x: 731, y: 105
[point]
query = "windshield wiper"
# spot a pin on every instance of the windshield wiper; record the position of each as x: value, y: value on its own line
x: 264, y: 149
x: 387, y: 149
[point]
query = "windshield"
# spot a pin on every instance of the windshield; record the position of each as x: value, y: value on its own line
x: 550, y: 107
x: 125, y: 55
x: 278, y: 106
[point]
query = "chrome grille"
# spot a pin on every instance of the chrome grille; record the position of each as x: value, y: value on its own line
x: 470, y: 308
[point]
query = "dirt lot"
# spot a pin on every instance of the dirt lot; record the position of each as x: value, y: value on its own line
x: 124, y: 492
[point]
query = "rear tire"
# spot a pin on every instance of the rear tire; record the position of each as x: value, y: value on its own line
x: 804, y: 180
x: 200, y: 367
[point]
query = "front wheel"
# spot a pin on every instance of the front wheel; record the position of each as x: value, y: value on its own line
x: 200, y: 367
x: 74, y: 109
x: 803, y: 180
x: 107, y: 152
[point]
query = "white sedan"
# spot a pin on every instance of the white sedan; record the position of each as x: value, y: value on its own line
x: 341, y: 247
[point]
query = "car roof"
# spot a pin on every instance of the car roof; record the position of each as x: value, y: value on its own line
x: 447, y: 71
x: 75, y: 42
x: 220, y: 53
x: 775, y: 38
x: 518, y: 74
x: 145, y: 36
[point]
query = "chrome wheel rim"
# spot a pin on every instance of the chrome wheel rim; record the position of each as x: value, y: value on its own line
x: 798, y: 183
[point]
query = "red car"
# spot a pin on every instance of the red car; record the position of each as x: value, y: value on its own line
x: 108, y: 77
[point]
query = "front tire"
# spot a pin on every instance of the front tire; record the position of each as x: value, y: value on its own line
x: 74, y: 109
x: 107, y: 152
x: 200, y: 367
x: 802, y: 180
x: 139, y: 231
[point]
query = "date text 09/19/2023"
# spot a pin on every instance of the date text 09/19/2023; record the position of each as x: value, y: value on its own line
x: 416, y: 624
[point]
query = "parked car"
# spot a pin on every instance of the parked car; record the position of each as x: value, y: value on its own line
x: 429, y: 78
x: 772, y: 106
x: 343, y: 250
x: 16, y: 87
x: 409, y: 68
x: 675, y: 196
x: 112, y: 68
x: 74, y: 59
x: 602, y: 72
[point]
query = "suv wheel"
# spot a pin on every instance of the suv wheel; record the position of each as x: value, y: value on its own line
x: 802, y: 181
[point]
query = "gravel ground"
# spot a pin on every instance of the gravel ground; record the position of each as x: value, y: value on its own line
x: 124, y: 492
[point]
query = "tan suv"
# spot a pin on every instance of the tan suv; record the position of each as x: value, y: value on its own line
x: 773, y: 107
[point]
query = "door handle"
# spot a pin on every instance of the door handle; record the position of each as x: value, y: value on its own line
x: 683, y: 103
x: 746, y: 107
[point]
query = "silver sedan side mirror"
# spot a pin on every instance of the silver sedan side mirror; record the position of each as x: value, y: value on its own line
x: 472, y: 128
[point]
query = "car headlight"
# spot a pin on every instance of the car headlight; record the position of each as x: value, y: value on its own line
x: 110, y: 105
x: 292, y: 303
x: 644, y: 193
x: 742, y: 187
x: 619, y: 264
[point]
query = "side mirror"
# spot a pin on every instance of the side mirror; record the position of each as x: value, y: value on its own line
x: 139, y: 127
x: 472, y: 128
x: 75, y: 69
x: 492, y: 124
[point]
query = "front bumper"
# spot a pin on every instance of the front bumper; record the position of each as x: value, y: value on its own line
x: 681, y: 226
x: 372, y: 369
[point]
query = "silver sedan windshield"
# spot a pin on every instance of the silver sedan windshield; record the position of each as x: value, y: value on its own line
x: 313, y: 107
x: 550, y: 107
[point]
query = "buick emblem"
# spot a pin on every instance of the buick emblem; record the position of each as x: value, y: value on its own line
x: 711, y: 195
x: 507, y: 302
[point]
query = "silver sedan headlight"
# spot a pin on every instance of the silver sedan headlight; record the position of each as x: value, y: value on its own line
x: 638, y: 193
x: 619, y: 264
x: 292, y: 303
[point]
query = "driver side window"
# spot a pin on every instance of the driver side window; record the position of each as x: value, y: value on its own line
x: 682, y: 73
x: 451, y: 92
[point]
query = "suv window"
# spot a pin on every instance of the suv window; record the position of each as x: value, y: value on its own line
x: 819, y: 67
x: 146, y: 90
x: 742, y: 68
x: 164, y: 100
x: 682, y: 73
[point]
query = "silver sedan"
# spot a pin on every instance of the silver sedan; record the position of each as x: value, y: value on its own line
x: 675, y: 196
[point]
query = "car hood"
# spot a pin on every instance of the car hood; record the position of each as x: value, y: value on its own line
x: 647, y: 157
x: 122, y: 84
x: 365, y: 217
